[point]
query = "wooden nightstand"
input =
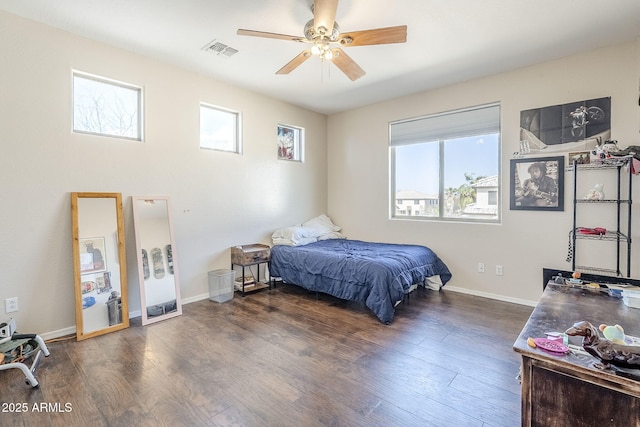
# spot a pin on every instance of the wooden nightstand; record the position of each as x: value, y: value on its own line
x: 246, y: 256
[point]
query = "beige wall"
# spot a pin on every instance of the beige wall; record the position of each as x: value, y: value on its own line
x: 219, y: 199
x: 526, y: 241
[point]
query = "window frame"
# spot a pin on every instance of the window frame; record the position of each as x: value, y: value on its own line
x: 112, y: 82
x: 237, y: 115
x: 393, y: 215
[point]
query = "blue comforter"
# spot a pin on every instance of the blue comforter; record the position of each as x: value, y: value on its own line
x: 376, y: 274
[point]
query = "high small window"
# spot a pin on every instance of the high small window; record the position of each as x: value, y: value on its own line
x: 449, y: 160
x: 219, y: 128
x: 106, y: 107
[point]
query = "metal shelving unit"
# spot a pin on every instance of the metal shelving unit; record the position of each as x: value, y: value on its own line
x: 621, y: 235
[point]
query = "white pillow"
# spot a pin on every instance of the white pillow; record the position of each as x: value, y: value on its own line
x: 332, y: 235
x: 322, y: 223
x: 295, y: 233
x: 290, y: 242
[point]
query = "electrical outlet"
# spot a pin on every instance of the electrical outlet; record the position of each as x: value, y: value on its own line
x: 498, y: 270
x: 481, y: 267
x: 11, y: 304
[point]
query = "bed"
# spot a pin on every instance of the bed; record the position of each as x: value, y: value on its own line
x: 376, y: 274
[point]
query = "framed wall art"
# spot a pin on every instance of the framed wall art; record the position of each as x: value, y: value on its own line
x: 537, y: 184
x: 88, y: 285
x: 580, y: 157
x: 290, y: 142
x: 92, y: 255
x: 100, y: 282
x: 572, y: 127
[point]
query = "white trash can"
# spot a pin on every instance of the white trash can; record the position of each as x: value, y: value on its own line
x: 221, y: 285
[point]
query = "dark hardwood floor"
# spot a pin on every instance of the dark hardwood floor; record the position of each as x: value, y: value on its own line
x: 286, y: 357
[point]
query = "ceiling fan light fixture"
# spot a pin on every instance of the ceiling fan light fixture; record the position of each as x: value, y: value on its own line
x: 322, y: 49
x: 317, y: 35
x: 312, y: 34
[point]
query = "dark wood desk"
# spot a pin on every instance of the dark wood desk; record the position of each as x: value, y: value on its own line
x: 567, y: 390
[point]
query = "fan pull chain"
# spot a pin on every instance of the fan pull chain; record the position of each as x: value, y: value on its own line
x: 322, y: 68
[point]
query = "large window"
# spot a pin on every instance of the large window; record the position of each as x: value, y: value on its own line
x: 219, y: 128
x: 105, y: 107
x: 447, y: 166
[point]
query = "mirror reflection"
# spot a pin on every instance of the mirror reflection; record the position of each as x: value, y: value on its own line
x: 99, y: 264
x: 157, y: 266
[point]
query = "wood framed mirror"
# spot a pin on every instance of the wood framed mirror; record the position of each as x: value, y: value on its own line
x: 99, y: 264
x: 156, y: 255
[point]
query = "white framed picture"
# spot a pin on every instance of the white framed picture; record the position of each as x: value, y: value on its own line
x: 290, y: 142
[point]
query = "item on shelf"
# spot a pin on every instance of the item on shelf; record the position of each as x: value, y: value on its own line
x: 633, y: 150
x: 247, y: 286
x: 248, y: 279
x: 598, y: 231
x: 610, y: 147
x: 596, y: 193
x: 604, y: 151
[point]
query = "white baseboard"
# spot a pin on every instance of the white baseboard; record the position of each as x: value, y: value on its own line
x: 195, y: 298
x: 491, y: 296
x: 72, y: 329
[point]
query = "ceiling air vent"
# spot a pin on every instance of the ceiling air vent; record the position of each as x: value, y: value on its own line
x: 220, y: 49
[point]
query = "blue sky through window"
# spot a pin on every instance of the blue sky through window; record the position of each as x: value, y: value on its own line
x: 417, y: 164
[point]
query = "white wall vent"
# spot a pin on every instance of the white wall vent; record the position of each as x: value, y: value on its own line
x: 220, y: 49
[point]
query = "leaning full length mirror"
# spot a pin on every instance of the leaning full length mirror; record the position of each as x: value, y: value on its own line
x: 157, y: 266
x: 99, y: 264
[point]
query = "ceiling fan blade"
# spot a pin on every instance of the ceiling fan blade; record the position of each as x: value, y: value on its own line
x: 324, y: 15
x: 295, y: 62
x: 346, y: 64
x: 378, y: 36
x: 253, y: 33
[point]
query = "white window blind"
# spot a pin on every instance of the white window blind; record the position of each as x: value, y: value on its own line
x: 458, y: 124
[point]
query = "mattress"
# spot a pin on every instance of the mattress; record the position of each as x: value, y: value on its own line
x: 376, y: 274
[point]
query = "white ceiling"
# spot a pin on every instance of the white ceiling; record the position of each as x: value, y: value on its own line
x: 448, y: 41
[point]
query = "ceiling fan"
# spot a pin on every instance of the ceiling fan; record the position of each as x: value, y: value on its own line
x: 323, y: 31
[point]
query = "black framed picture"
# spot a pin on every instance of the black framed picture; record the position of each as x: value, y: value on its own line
x: 537, y: 184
